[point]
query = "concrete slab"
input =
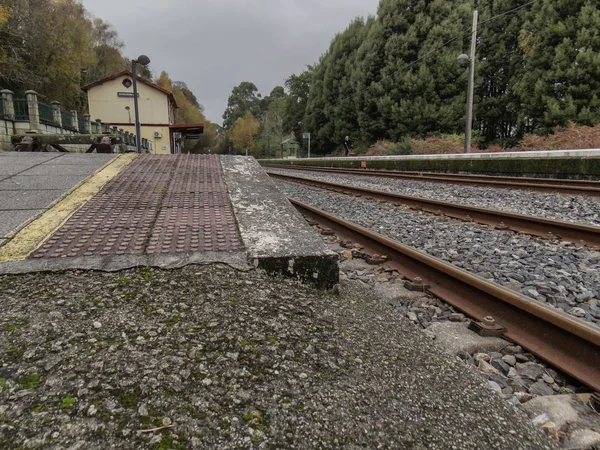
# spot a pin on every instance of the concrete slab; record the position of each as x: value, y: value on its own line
x: 11, y: 221
x: 28, y: 199
x: 13, y: 168
x: 569, y: 414
x: 85, y: 158
x: 40, y: 182
x: 455, y: 337
x: 276, y: 236
x: 14, y: 163
x: 56, y: 169
x: 40, y: 157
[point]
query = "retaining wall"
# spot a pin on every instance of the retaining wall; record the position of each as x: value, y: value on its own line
x: 576, y: 167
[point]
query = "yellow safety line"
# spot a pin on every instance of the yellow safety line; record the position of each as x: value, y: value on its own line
x: 31, y: 237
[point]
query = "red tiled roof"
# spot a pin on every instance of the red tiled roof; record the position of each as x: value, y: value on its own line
x: 128, y: 73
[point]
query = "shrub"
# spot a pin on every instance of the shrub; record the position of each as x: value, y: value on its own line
x: 382, y: 148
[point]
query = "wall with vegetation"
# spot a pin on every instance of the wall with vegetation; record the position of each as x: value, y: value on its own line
x: 543, y: 167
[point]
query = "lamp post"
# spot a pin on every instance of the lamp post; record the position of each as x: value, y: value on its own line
x: 470, y: 60
x: 144, y: 61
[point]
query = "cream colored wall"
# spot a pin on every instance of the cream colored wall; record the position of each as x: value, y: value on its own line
x: 158, y: 143
x: 106, y: 105
x: 154, y: 106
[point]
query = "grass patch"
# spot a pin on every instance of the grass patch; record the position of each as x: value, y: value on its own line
x: 68, y: 402
x: 9, y: 328
x: 248, y: 417
x: 31, y: 381
x: 148, y: 274
x: 168, y: 443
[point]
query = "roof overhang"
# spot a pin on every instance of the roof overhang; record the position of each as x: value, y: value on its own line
x: 188, y: 128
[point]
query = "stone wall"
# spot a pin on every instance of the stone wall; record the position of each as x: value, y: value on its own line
x: 48, y: 128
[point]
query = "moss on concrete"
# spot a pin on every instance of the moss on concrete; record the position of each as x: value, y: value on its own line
x: 561, y: 167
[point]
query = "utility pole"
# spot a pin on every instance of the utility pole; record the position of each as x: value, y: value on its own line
x: 469, y: 124
x: 144, y: 61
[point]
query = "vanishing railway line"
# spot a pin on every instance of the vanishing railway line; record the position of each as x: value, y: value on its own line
x: 537, y: 226
x: 581, y: 187
x: 568, y: 343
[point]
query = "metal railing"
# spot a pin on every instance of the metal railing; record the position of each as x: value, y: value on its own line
x: 81, y: 122
x: 21, y: 109
x: 67, y: 120
x: 46, y: 114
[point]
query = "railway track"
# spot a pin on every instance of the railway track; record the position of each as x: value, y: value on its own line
x: 581, y: 187
x: 537, y: 226
x: 569, y: 344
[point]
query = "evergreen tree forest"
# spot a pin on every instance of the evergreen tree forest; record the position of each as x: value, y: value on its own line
x: 395, y: 75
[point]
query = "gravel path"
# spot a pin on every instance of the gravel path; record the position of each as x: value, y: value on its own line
x: 566, y: 277
x: 571, y: 208
x: 209, y: 357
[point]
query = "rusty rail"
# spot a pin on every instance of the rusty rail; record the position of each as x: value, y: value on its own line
x: 537, y: 226
x: 568, y: 343
x: 581, y: 187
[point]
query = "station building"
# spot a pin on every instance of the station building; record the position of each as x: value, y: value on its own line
x: 111, y: 100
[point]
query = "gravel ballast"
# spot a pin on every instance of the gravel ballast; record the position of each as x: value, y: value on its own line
x: 571, y: 208
x: 212, y: 357
x: 564, y: 276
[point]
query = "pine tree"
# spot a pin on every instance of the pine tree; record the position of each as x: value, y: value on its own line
x: 560, y: 81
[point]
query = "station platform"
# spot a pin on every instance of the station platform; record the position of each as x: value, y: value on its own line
x: 112, y: 212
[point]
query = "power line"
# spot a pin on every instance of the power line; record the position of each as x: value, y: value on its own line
x: 508, y: 12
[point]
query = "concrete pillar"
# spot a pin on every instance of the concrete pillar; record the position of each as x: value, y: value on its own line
x: 56, y: 113
x: 97, y: 126
x: 115, y: 130
x: 105, y: 127
x: 34, y: 112
x: 75, y: 120
x: 87, y: 123
x: 8, y: 104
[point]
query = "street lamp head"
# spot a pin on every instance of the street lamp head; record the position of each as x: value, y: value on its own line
x: 143, y: 60
x: 464, y: 59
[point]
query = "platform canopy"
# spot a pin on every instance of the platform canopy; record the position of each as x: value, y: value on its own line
x: 187, y: 129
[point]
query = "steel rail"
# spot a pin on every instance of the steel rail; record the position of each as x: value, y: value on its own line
x: 566, y: 342
x: 580, y: 187
x: 536, y: 226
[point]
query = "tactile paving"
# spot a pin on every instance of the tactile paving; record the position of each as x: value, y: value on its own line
x: 157, y: 205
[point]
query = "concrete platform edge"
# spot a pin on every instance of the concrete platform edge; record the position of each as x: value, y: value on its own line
x: 275, y: 235
x: 115, y: 263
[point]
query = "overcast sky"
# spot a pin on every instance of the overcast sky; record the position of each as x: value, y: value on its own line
x: 213, y: 45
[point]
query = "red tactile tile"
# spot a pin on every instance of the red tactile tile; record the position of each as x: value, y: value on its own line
x: 157, y: 205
